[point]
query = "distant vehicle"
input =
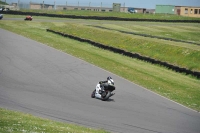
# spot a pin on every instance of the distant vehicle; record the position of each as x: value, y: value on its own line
x: 28, y: 18
x: 4, y: 9
x: 1, y: 16
x: 131, y: 10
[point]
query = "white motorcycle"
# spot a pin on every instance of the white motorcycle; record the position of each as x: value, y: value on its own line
x: 105, y: 92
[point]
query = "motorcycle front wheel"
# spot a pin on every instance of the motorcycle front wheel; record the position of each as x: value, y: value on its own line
x: 105, y: 96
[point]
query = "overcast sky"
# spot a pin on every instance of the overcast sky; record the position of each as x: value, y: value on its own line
x: 108, y: 3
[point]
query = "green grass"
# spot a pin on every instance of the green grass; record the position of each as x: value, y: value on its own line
x: 16, y: 122
x: 174, y: 53
x: 178, y: 87
x: 112, y: 14
x: 186, y: 32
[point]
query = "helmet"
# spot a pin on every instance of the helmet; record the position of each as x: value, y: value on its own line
x: 110, y: 81
x: 108, y: 78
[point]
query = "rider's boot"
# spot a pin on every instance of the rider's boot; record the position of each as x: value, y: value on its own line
x: 112, y: 94
x: 97, y: 95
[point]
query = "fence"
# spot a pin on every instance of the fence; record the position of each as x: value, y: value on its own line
x: 26, y: 5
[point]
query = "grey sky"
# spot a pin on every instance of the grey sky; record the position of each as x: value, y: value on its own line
x: 108, y: 3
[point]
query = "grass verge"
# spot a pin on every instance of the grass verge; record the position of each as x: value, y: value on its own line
x: 16, y: 122
x: 154, y: 48
x: 185, y: 32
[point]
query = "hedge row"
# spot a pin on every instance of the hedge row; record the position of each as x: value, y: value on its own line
x: 133, y: 55
x: 145, y: 35
x: 98, y: 17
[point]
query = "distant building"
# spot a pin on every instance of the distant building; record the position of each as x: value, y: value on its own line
x: 116, y: 7
x: 140, y: 10
x: 41, y: 6
x: 98, y: 9
x: 165, y: 9
x: 14, y: 4
x: 150, y: 11
x: 189, y: 11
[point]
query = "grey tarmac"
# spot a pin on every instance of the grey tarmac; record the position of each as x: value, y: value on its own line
x: 43, y: 81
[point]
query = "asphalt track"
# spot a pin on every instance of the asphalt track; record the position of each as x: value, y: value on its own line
x: 45, y: 82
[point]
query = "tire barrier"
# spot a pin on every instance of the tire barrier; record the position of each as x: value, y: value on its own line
x: 146, y: 35
x: 133, y: 55
x: 98, y: 17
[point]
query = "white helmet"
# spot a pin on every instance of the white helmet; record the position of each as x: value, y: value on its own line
x: 110, y: 81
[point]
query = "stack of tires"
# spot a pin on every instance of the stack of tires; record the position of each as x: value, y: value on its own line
x: 1, y: 16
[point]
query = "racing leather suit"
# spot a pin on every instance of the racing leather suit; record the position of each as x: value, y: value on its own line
x: 99, y: 87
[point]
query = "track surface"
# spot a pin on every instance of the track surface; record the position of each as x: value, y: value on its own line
x: 40, y: 80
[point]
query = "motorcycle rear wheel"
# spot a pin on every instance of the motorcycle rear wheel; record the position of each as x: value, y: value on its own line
x: 93, y: 94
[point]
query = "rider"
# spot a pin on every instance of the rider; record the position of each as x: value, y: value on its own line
x: 102, y: 85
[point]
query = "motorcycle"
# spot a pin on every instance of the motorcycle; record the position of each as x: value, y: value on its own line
x: 106, y: 93
x: 28, y: 18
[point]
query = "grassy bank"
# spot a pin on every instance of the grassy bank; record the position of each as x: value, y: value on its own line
x: 171, y: 52
x: 185, y: 31
x: 178, y: 87
x: 16, y: 122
